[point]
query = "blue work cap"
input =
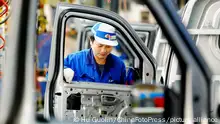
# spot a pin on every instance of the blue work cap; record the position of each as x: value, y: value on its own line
x: 104, y: 34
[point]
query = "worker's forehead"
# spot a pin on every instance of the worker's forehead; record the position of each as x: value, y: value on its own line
x: 98, y: 43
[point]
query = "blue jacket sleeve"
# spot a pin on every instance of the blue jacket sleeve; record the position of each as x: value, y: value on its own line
x: 70, y: 62
x: 67, y: 61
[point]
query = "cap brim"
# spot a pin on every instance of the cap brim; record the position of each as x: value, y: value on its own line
x: 106, y: 42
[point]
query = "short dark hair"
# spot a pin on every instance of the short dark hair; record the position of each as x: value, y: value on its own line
x: 92, y: 38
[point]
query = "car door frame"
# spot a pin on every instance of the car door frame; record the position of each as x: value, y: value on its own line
x: 55, y: 79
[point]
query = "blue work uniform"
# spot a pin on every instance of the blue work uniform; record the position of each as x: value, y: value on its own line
x: 86, y: 69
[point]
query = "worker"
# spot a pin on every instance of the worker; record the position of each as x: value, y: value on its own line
x: 96, y: 64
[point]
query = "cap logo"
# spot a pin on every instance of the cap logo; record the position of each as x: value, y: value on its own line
x: 108, y: 36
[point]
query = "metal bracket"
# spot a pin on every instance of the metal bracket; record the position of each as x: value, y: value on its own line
x: 204, y: 31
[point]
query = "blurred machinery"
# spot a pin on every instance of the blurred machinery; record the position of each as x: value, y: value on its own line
x: 147, y: 99
x: 41, y: 59
x: 4, y: 15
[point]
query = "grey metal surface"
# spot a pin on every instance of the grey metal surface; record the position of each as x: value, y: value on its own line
x: 187, y: 10
x: 208, y: 31
x: 202, y: 22
x: 187, y: 53
x: 215, y: 97
x: 208, y: 45
x: 17, y: 96
x: 92, y: 104
x: 100, y: 85
x: 161, y: 52
x: 202, y: 19
x: 206, y: 35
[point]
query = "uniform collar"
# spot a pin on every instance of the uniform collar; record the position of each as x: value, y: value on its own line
x: 90, y: 60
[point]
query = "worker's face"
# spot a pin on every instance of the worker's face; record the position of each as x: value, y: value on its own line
x: 100, y: 51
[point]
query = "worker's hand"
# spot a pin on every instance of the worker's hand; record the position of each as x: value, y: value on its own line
x: 68, y: 74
